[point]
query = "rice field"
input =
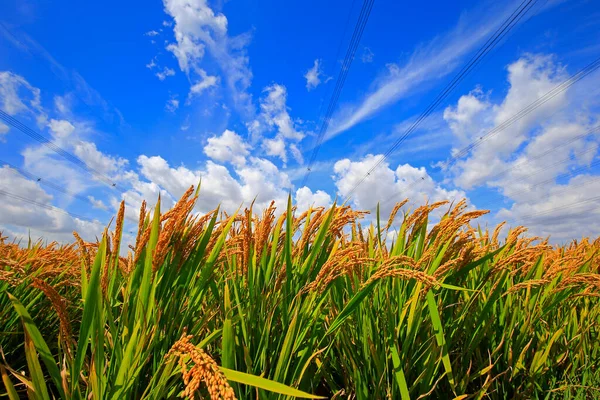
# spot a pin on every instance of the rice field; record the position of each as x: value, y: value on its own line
x: 301, y: 305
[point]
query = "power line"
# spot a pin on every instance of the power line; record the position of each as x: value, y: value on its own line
x: 357, y: 34
x: 59, y: 188
x: 341, y: 79
x: 57, y: 149
x: 337, y: 55
x: 498, y: 35
x: 46, y: 206
x: 46, y: 182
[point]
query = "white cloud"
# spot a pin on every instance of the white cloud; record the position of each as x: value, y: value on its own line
x: 275, y: 147
x: 564, y: 212
x: 61, y: 129
x: 64, y: 104
x: 313, y: 75
x: 151, y: 33
x: 152, y: 63
x: 429, y: 62
x: 186, y: 123
x: 467, y: 119
x: 229, y: 147
x: 526, y: 160
x: 529, y: 78
x: 198, y: 29
x: 3, y: 131
x: 172, y: 104
x: 44, y: 162
x: 275, y: 118
x: 105, y: 164
x: 367, y: 55
x: 18, y: 96
x: 205, y: 82
x: 296, y: 153
x: 97, y: 203
x: 388, y: 186
x: 305, y: 198
x: 166, y: 72
x: 258, y: 179
x: 21, y: 218
x: 263, y: 180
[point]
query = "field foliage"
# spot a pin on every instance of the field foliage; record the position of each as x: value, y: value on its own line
x: 274, y: 306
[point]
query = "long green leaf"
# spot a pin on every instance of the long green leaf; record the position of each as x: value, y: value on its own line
x: 266, y: 384
x: 38, y: 341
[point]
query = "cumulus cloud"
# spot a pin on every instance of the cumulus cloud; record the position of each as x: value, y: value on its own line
x: 306, y: 198
x: 313, y: 75
x: 387, y: 186
x: 70, y: 135
x: 199, y: 29
x: 529, y: 78
x: 275, y: 147
x: 229, y: 147
x: 257, y: 180
x: 528, y: 161
x: 61, y: 129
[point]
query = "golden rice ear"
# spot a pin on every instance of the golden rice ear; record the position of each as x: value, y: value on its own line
x: 85, y: 255
x: 497, y: 231
x: 119, y: 227
x: 342, y: 261
x: 141, y: 223
x: 59, y: 304
x: 391, y: 271
x: 395, y: 210
x: 205, y: 369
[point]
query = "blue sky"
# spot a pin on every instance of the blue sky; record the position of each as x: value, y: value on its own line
x: 156, y: 95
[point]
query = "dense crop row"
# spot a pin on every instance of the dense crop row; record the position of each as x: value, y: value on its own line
x: 230, y: 305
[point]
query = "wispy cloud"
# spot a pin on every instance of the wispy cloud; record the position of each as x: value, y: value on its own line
x: 162, y: 75
x: 313, y: 76
x: 367, y: 55
x: 198, y: 29
x: 429, y: 62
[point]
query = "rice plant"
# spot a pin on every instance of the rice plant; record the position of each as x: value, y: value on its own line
x: 310, y: 305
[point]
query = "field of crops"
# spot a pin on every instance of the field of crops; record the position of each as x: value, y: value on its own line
x: 310, y: 305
